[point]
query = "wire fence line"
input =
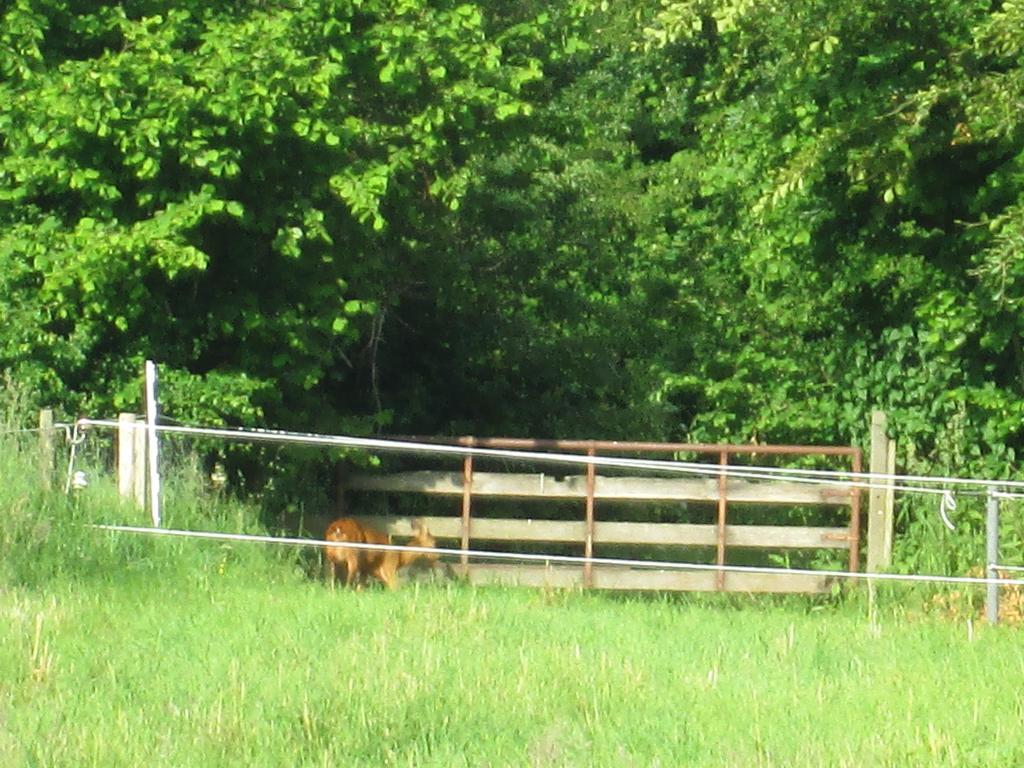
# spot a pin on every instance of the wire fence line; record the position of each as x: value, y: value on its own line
x: 22, y: 430
x: 1009, y: 568
x: 65, y: 427
x: 481, y: 554
x: 923, y: 484
x: 1008, y: 496
x: 861, y: 480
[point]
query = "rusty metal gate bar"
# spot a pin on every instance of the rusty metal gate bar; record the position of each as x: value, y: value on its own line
x: 467, y: 500
x: 588, y: 544
x: 611, y: 446
x: 723, y: 504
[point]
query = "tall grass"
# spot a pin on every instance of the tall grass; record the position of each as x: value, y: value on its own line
x: 48, y: 535
x: 120, y: 650
x: 235, y: 670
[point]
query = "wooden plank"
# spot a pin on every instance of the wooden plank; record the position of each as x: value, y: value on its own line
x: 744, y: 536
x: 488, y: 530
x: 640, y: 579
x: 526, y: 576
x: 552, y: 487
x: 669, y: 534
x: 665, y: 534
x: 787, y: 537
x: 706, y: 581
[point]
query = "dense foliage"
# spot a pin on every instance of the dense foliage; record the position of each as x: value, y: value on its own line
x: 715, y: 219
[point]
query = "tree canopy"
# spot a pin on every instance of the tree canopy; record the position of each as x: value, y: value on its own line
x: 706, y: 219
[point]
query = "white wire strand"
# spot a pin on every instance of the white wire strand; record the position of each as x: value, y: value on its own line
x: 564, y: 559
x: 406, y: 446
x: 59, y: 425
x: 21, y: 430
x: 1011, y: 568
x: 812, y: 477
x: 948, y: 502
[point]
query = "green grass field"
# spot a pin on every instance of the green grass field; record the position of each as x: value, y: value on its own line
x: 126, y: 651
x: 220, y: 669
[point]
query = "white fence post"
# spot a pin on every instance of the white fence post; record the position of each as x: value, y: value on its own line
x: 154, y: 467
x: 46, y: 448
x: 992, y: 557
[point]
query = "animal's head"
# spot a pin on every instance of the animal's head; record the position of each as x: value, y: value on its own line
x: 421, y: 537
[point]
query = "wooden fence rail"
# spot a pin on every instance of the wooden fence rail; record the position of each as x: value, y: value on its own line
x: 591, y: 532
x: 667, y: 534
x: 636, y: 534
x: 554, y: 488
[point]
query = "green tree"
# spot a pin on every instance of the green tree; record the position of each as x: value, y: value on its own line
x: 828, y: 177
x: 231, y: 190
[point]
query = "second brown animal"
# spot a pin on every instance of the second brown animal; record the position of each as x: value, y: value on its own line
x: 360, y: 564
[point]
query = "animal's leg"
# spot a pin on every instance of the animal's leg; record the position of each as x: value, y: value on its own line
x: 352, y: 561
x: 328, y: 565
x: 386, y: 574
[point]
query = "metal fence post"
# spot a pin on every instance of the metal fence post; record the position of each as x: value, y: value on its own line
x: 992, y: 557
x: 152, y: 443
x: 46, y: 448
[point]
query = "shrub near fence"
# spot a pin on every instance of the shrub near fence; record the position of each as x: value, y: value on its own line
x: 46, y: 531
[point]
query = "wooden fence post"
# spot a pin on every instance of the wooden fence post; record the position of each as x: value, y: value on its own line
x: 126, y: 466
x: 880, y: 506
x: 46, y: 448
x: 138, y: 443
